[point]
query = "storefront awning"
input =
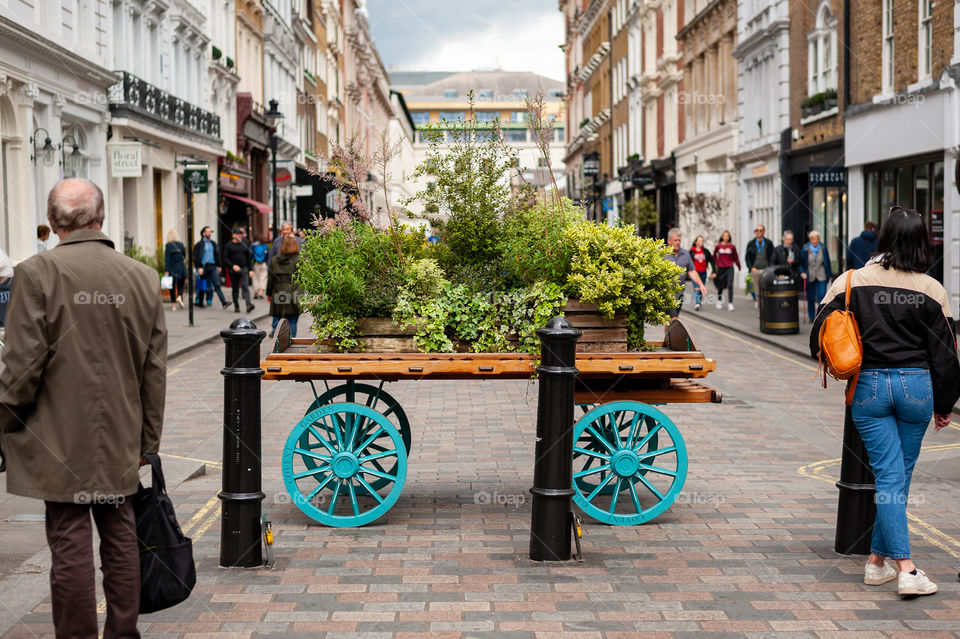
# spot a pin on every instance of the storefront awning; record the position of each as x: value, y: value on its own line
x: 260, y: 206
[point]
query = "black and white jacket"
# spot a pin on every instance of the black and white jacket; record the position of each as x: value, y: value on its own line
x: 904, y: 320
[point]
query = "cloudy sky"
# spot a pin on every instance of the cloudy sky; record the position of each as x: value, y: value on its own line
x: 460, y: 35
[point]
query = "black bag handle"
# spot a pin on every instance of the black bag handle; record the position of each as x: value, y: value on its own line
x: 157, y: 471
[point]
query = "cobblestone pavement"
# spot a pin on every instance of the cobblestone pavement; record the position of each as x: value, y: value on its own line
x: 747, y: 550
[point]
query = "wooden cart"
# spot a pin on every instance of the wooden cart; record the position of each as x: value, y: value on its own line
x: 345, y: 463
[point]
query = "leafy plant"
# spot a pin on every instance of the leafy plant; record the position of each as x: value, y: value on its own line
x: 619, y: 271
x: 143, y: 255
x: 533, y: 244
x: 641, y: 212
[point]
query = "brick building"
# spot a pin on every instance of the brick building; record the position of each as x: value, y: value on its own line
x: 814, y: 193
x: 902, y: 121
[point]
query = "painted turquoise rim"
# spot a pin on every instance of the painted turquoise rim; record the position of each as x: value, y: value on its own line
x: 636, y: 449
x: 333, y: 457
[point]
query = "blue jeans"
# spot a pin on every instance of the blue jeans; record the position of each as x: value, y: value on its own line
x: 211, y: 273
x: 892, y: 409
x: 292, y: 319
x: 815, y: 293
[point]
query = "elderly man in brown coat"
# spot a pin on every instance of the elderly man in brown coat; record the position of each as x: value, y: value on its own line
x: 81, y: 400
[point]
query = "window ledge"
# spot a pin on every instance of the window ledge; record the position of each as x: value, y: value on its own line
x: 919, y: 86
x: 820, y: 116
x: 886, y: 96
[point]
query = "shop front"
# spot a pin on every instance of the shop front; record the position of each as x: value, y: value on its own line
x: 814, y: 197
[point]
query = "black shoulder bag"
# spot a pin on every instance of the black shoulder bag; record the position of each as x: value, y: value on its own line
x: 167, y: 571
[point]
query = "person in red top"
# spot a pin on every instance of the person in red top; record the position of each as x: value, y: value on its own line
x: 701, y: 259
x: 725, y: 256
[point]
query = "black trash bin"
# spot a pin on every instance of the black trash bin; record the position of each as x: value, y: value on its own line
x: 779, y: 305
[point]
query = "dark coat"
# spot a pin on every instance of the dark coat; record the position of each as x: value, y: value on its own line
x: 237, y: 254
x: 174, y: 260
x: 198, y: 254
x: 751, y: 256
x: 861, y: 248
x: 281, y: 290
x: 781, y: 253
x: 82, y: 391
x: 804, y: 257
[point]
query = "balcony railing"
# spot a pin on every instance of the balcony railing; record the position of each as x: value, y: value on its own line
x: 140, y: 98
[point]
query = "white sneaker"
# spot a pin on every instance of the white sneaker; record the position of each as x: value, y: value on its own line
x: 917, y: 584
x: 719, y: 306
x: 756, y: 304
x: 879, y: 575
x: 696, y: 307
x: 729, y: 306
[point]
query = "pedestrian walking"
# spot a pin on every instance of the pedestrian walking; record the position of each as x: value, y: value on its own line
x: 82, y: 396
x: 725, y: 257
x: 206, y: 255
x: 43, y: 234
x: 862, y: 246
x: 682, y: 258
x: 787, y: 254
x: 815, y: 271
x: 281, y: 291
x: 261, y: 252
x: 909, y: 373
x: 702, y: 258
x: 286, y: 229
x: 237, y: 259
x: 758, y: 257
x: 175, y: 265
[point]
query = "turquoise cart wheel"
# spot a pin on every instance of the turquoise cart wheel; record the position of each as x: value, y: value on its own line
x: 607, y: 427
x: 373, y: 397
x: 331, y: 478
x: 638, y: 451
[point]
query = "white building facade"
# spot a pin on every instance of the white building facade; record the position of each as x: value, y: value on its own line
x: 53, y: 109
x: 763, y: 55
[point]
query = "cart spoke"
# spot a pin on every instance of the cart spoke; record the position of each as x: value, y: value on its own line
x: 597, y: 490
x: 322, y: 440
x: 369, y: 488
x: 315, y: 471
x: 598, y: 469
x: 307, y: 453
x: 600, y: 439
x: 654, y: 453
x: 650, y: 487
x: 646, y: 438
x: 616, y: 494
x: 320, y: 486
x: 636, y: 500
x: 633, y: 430
x: 386, y: 453
x: 370, y: 438
x: 661, y: 471
x: 353, y: 498
x: 615, y: 427
x: 336, y: 495
x: 377, y: 473
x: 590, y: 453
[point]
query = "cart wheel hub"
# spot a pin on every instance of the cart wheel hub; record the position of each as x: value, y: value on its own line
x: 345, y: 465
x: 626, y: 463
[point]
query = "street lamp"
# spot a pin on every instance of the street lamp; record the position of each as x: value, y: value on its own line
x: 47, y: 148
x: 274, y: 116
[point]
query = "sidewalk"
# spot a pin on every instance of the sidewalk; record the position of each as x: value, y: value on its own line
x: 744, y: 319
x: 207, y: 323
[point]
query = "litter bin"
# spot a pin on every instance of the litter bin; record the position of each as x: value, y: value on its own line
x: 779, y: 308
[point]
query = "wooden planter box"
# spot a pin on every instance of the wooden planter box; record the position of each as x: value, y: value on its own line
x: 600, y: 335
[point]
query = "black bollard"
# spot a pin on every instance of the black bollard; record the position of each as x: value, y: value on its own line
x: 550, y: 526
x: 240, y: 536
x: 857, y: 505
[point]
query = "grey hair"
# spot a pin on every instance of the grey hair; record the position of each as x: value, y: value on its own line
x: 812, y: 233
x: 786, y: 233
x: 75, y: 203
x: 672, y: 233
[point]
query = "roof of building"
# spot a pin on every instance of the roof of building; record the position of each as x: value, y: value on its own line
x: 434, y: 86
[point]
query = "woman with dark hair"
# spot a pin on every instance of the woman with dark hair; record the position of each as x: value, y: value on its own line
x: 725, y: 256
x: 909, y: 374
x: 281, y: 291
x: 701, y: 260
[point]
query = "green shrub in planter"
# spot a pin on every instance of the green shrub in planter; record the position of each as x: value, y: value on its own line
x: 534, y: 245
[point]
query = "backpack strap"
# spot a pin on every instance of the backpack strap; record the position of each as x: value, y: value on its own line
x: 846, y: 297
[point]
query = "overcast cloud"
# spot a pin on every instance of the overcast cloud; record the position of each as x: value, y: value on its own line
x: 460, y: 35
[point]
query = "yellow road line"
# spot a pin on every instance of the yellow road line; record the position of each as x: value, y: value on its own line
x: 792, y: 360
x: 195, y: 521
x: 928, y: 532
x: 203, y: 461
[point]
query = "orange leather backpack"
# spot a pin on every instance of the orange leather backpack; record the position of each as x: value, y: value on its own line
x: 841, y: 351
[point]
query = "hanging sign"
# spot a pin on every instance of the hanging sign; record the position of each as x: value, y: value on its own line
x: 195, y: 178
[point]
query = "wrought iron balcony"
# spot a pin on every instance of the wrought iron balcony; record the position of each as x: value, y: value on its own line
x: 133, y: 97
